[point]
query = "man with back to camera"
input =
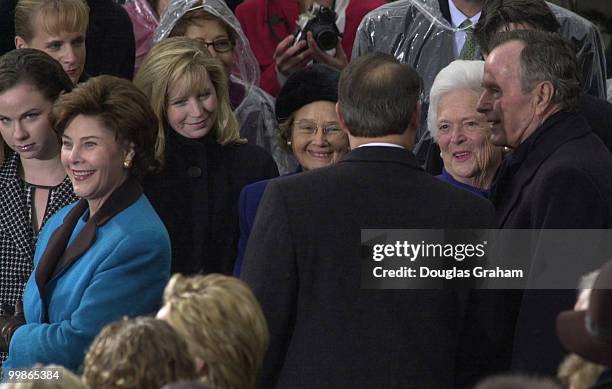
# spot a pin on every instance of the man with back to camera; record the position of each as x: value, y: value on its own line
x: 558, y: 175
x: 303, y: 256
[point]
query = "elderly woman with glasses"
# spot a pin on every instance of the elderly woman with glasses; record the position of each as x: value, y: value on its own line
x: 309, y: 129
x: 470, y: 159
x: 214, y: 24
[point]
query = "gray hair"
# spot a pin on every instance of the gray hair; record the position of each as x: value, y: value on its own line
x: 546, y: 57
x: 457, y: 75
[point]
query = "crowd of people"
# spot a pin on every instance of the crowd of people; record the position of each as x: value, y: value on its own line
x: 147, y: 240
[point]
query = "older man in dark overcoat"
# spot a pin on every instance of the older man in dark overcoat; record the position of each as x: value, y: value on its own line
x: 558, y: 174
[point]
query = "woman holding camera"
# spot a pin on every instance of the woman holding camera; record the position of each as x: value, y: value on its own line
x: 212, y: 22
x: 270, y: 26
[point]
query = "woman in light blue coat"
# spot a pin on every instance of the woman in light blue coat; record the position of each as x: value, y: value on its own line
x: 107, y: 255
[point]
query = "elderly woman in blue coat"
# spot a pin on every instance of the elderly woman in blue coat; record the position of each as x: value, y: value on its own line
x: 470, y: 159
x: 107, y: 255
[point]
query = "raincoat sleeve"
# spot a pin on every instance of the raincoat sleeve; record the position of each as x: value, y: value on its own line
x: 258, y: 120
x: 144, y: 22
x: 588, y: 42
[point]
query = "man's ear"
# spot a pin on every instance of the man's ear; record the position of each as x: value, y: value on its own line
x: 20, y: 43
x: 415, y: 119
x: 543, y: 95
x: 341, y: 119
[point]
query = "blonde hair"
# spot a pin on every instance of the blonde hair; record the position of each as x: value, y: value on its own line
x: 139, y: 353
x: 223, y: 324
x: 180, y: 59
x: 578, y: 373
x: 68, y: 380
x: 56, y: 15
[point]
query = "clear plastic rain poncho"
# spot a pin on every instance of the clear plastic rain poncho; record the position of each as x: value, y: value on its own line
x: 255, y: 112
x: 144, y: 21
x: 589, y: 47
x: 416, y: 32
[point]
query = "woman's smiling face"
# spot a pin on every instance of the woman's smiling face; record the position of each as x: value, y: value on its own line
x: 316, y: 137
x: 191, y: 111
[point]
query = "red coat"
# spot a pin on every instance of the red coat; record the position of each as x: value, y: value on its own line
x: 265, y: 28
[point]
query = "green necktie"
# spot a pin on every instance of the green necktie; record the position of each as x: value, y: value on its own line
x: 470, y: 47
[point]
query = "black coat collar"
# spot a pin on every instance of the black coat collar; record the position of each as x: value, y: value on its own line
x: 382, y: 154
x: 58, y: 255
x: 556, y: 131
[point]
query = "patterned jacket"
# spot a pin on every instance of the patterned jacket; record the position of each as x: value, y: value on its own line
x: 17, y: 236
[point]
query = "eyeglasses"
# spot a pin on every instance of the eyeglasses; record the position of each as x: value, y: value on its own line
x: 309, y: 127
x: 221, y: 45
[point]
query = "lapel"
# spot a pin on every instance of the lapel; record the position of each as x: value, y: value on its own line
x: 445, y: 10
x: 14, y: 221
x: 557, y: 130
x: 383, y: 154
x: 58, y: 255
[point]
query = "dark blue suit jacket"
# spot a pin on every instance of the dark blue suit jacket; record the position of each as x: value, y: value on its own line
x: 250, y: 197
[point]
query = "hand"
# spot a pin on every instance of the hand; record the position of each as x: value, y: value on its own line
x: 289, y: 58
x: 338, y: 61
x: 8, y: 326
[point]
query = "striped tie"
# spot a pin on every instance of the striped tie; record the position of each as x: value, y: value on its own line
x: 470, y: 47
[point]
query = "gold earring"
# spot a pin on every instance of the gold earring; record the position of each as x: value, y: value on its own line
x: 127, y: 163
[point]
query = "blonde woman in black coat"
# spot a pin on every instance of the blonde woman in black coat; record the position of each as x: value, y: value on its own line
x: 205, y: 162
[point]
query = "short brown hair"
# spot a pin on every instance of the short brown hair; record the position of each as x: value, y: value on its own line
x: 57, y: 16
x: 137, y: 353
x: 121, y: 107
x: 224, y: 325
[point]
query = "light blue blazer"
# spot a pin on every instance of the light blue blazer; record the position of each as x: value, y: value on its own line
x: 123, y: 273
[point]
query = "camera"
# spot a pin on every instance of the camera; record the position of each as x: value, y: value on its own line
x: 321, y: 21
